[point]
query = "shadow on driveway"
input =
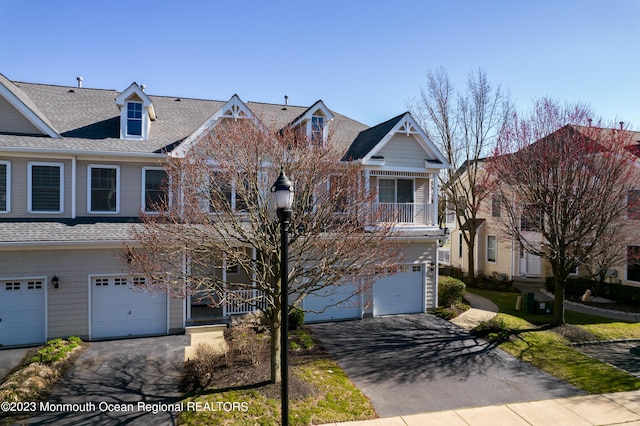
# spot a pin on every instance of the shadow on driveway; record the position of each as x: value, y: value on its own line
x: 113, y: 374
x: 409, y: 364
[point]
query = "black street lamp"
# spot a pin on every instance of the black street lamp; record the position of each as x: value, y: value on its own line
x: 283, y: 191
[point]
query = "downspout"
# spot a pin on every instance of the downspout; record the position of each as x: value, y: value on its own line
x: 73, y: 186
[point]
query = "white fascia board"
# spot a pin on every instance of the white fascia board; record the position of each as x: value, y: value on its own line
x: 28, y: 113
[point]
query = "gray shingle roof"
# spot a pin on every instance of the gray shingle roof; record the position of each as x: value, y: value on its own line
x: 80, y: 230
x: 88, y: 119
x: 368, y: 139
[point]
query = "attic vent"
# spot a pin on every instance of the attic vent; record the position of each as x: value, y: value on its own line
x: 79, y: 82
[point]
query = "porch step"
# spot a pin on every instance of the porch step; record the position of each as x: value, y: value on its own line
x: 208, y: 328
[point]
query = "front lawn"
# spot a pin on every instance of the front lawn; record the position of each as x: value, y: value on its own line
x: 239, y: 394
x: 548, y: 349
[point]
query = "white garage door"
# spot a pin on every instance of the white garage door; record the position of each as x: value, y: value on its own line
x: 332, y: 303
x: 400, y: 293
x: 22, y: 312
x: 118, y: 310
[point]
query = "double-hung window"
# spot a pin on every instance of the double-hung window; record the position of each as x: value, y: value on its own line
x: 317, y: 130
x: 103, y: 189
x: 492, y: 248
x: 154, y: 192
x: 134, y: 118
x: 5, y: 186
x: 46, y: 189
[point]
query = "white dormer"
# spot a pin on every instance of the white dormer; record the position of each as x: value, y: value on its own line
x: 136, y: 113
x: 314, y: 123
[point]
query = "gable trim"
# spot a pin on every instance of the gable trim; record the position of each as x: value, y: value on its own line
x: 409, y: 127
x: 234, y: 109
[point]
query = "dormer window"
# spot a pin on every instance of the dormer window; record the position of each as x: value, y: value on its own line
x: 134, y: 118
x: 317, y: 129
x: 136, y: 113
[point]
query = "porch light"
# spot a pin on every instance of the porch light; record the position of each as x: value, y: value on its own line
x: 283, y: 194
x: 55, y: 281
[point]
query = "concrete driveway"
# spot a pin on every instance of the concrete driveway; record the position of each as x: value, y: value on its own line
x: 409, y: 364
x: 110, y: 375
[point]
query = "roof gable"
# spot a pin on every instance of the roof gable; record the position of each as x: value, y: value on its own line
x: 234, y: 109
x: 318, y: 108
x: 369, y: 142
x: 135, y: 92
x: 20, y: 105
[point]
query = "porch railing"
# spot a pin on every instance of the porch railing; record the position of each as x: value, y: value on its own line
x: 415, y: 213
x: 444, y: 256
x: 244, y: 301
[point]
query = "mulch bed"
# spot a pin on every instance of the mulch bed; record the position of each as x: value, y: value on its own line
x: 241, y: 370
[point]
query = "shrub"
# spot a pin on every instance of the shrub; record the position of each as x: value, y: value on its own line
x: 296, y: 318
x: 450, y: 291
x: 444, y: 313
x: 494, y: 329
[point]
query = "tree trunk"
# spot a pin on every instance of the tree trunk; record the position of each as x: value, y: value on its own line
x: 558, y: 305
x: 471, y: 276
x: 276, y: 371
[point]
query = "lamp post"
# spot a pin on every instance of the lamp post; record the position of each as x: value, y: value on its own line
x: 283, y: 191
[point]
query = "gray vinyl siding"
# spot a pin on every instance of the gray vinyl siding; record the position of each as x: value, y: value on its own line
x: 68, y: 305
x: 130, y: 187
x: 403, y: 151
x: 12, y: 121
x: 20, y: 187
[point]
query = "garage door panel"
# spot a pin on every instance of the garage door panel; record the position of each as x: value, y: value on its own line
x: 22, y: 312
x: 400, y: 293
x: 118, y: 310
x: 332, y: 304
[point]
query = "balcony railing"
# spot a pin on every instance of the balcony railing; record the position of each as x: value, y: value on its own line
x: 415, y: 213
x: 244, y: 302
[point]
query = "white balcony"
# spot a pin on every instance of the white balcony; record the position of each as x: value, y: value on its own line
x: 243, y: 302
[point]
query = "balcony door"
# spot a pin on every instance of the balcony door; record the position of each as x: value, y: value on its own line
x: 396, y: 198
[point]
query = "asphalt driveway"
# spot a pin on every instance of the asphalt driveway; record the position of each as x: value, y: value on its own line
x: 111, y: 375
x: 409, y: 364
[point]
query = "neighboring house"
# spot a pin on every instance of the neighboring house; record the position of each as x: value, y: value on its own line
x: 79, y: 165
x: 497, y: 256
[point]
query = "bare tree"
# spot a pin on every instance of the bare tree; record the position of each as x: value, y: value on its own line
x: 465, y: 126
x: 221, y: 214
x: 564, y: 187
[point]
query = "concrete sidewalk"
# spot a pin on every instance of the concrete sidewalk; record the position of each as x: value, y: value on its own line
x: 481, y: 310
x: 607, y: 409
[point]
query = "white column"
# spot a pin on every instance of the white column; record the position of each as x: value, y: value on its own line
x: 434, y: 188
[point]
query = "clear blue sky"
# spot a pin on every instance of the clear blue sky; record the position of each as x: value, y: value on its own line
x: 365, y: 59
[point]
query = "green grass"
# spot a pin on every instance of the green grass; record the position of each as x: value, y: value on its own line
x: 337, y: 400
x: 550, y: 352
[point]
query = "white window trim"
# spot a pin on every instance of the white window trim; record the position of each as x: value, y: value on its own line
x: 30, y: 182
x: 496, y: 250
x: 8, y: 187
x: 143, y: 196
x: 143, y: 121
x: 103, y: 166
